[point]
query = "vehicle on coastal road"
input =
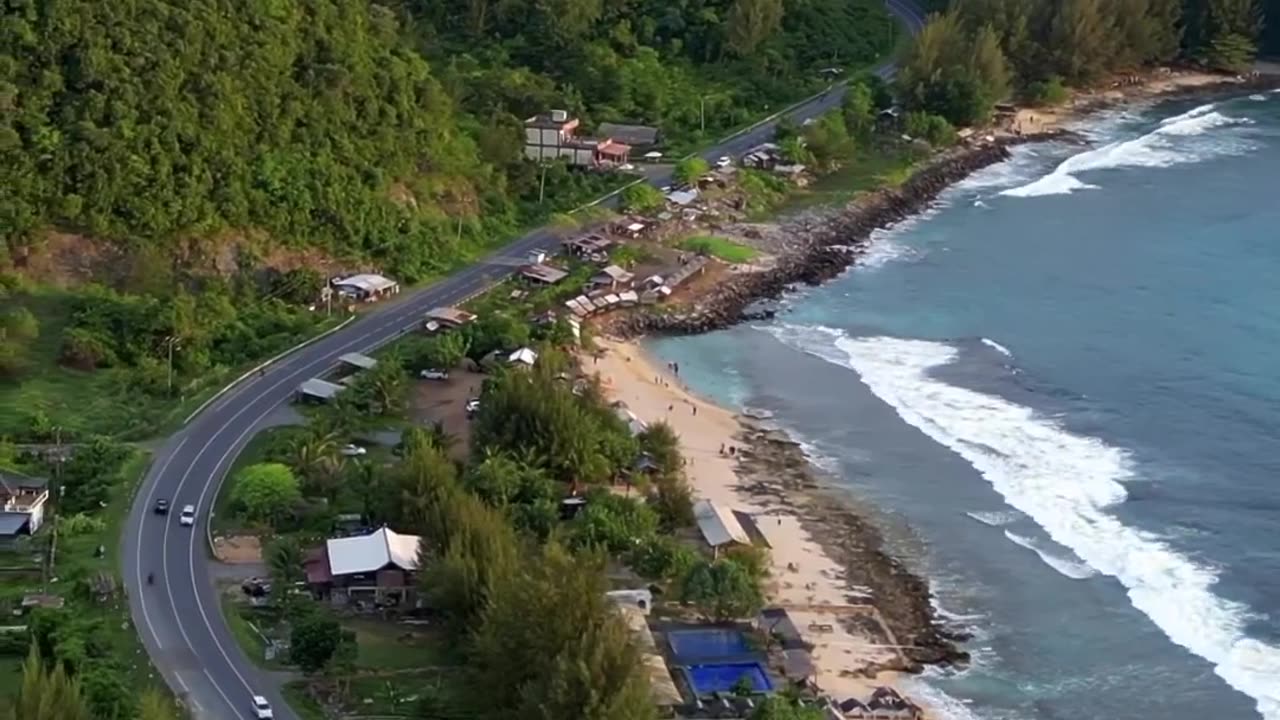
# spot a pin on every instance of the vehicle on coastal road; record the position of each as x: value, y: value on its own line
x: 214, y: 673
x: 352, y: 450
x: 161, y: 507
x: 433, y: 374
x: 724, y: 161
x: 473, y: 406
x: 261, y: 708
x: 187, y: 516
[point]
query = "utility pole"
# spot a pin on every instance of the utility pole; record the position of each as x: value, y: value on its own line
x: 171, y: 341
x: 542, y: 184
x: 702, y: 112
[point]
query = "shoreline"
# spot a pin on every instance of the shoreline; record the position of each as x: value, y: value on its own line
x: 867, y: 617
x: 823, y: 244
x: 828, y: 555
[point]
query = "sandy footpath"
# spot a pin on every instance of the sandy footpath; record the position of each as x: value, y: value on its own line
x: 806, y: 581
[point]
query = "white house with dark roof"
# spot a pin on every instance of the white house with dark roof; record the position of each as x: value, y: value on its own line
x: 23, y: 498
x: 379, y: 565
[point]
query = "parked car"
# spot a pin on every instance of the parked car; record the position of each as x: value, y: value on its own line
x: 724, y: 161
x: 626, y: 167
x: 433, y: 374
x: 162, y: 506
x: 352, y: 450
x: 473, y: 406
x: 262, y: 708
x: 537, y: 256
x: 187, y: 516
x: 256, y: 587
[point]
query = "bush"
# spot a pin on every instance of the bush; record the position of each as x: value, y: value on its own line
x: 1047, y: 92
x: 266, y: 492
x: 641, y: 198
x: 933, y: 128
x: 662, y: 558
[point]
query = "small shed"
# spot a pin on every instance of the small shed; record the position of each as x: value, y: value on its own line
x: 366, y: 286
x: 682, y: 197
x: 358, y: 361
x: 611, y: 277
x: 545, y: 274
x: 319, y: 390
x: 524, y: 356
x: 446, y: 318
x: 718, y: 526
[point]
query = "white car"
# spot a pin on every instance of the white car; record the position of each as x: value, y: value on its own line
x: 261, y: 708
x: 187, y: 516
x: 626, y: 167
x: 473, y: 406
x: 433, y: 374
x: 352, y: 451
x: 724, y: 161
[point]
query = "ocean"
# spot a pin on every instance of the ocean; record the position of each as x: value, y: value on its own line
x: 1059, y: 389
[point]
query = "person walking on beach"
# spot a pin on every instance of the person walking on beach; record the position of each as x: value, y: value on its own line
x: 695, y: 410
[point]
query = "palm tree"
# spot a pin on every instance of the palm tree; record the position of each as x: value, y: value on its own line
x: 315, y: 457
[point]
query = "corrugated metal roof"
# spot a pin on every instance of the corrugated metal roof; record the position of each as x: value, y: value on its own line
x: 323, y: 389
x: 363, y: 362
x: 367, y: 553
x: 718, y: 526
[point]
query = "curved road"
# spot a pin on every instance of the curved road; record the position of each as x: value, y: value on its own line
x: 179, y: 617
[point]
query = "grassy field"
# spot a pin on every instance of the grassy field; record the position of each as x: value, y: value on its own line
x: 871, y: 168
x: 723, y: 248
x: 102, y: 402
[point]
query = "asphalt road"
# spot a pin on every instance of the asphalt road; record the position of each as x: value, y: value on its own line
x: 179, y: 616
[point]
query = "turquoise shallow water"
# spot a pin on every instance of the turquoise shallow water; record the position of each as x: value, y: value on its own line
x: 1062, y: 390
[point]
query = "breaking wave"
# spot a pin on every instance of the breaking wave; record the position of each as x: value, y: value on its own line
x: 1066, y: 568
x: 1174, y: 141
x: 1064, y: 482
x: 996, y: 518
x: 997, y: 347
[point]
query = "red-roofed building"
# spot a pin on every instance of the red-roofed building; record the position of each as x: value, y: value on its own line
x: 552, y: 136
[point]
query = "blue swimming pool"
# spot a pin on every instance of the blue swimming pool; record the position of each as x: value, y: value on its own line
x: 690, y: 646
x: 723, y: 677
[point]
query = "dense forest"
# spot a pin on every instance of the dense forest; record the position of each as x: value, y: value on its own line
x: 974, y: 53
x: 366, y: 129
x: 369, y: 135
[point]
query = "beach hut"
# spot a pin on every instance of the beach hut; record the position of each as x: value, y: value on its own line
x: 718, y: 526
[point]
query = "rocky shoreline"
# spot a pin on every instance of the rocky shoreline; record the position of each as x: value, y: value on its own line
x: 824, y: 249
x: 775, y: 470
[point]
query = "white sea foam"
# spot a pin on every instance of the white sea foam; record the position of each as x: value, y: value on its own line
x: 997, y: 347
x: 1192, y: 113
x: 1173, y: 142
x: 1067, y: 568
x: 1258, y: 98
x: 934, y: 699
x: 995, y: 518
x: 1065, y: 483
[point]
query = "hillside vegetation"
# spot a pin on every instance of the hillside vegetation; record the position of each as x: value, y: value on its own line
x: 977, y: 52
x: 189, y: 143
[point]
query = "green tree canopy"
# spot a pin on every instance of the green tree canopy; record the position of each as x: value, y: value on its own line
x: 48, y: 694
x: 642, y: 198
x: 314, y: 641
x: 722, y: 590
x: 551, y: 646
x: 689, y: 170
x: 266, y: 492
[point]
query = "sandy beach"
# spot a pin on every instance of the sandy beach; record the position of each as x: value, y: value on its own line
x: 805, y: 579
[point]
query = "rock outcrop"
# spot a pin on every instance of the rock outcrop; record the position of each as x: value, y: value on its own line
x: 825, y: 251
